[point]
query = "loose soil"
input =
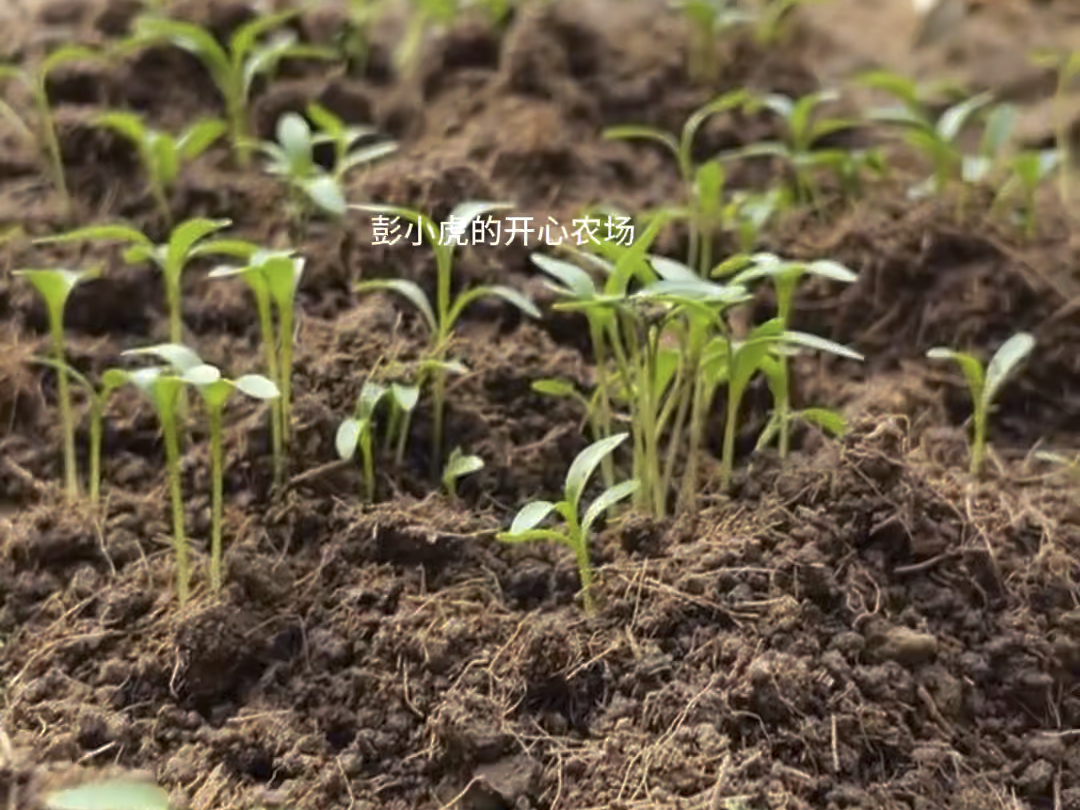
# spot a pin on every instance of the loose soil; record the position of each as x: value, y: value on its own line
x: 861, y: 626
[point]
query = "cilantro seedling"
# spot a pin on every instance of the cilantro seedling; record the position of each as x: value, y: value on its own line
x: 458, y: 465
x: 785, y: 277
x: 1028, y: 170
x: 425, y: 18
x: 576, y: 531
x: 707, y: 20
x: 41, y: 133
x: 163, y: 154
x: 235, y: 67
x: 273, y: 276
x: 703, y: 183
x: 163, y: 386
x: 216, y: 392
x: 187, y: 241
x: 292, y: 159
x: 984, y: 384
x: 355, y: 434
x: 1067, y: 66
x: 55, y: 287
x: 799, y: 149
x: 99, y: 397
x: 772, y: 18
x: 442, y: 317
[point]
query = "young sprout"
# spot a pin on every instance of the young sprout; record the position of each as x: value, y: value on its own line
x: 442, y: 317
x: 748, y: 212
x: 403, y: 401
x: 355, y: 433
x: 292, y: 158
x: 708, y: 20
x: 112, y: 794
x: 344, y: 138
x: 355, y: 36
x: 163, y: 386
x: 216, y: 392
x: 161, y: 153
x: 42, y: 133
x: 99, y: 398
x: 1067, y: 66
x: 425, y: 18
x: 576, y: 531
x: 1028, y: 170
x: 785, y: 277
x: 235, y: 67
x: 771, y: 18
x: 702, y: 183
x: 799, y: 147
x: 55, y: 287
x: 458, y: 465
x: 984, y: 385
x: 273, y: 278
x: 188, y: 241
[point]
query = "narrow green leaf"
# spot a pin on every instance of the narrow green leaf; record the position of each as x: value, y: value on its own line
x: 185, y: 235
x: 606, y: 500
x: 115, y: 794
x: 530, y: 516
x: 202, y: 375
x: 586, y: 463
x: 347, y: 438
x: 831, y: 422
x: 99, y: 233
x: 405, y: 396
x: 820, y: 344
x: 256, y: 386
x: 576, y: 281
x: 408, y: 290
x: 460, y: 465
x: 1005, y: 361
x: 176, y: 355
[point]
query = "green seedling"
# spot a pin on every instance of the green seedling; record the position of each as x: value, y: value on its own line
x: 403, y: 401
x: 355, y: 434
x: 984, y: 384
x: 576, y: 531
x: 99, y: 398
x: 55, y: 287
x: 112, y: 794
x: 189, y: 240
x: 425, y: 18
x: 749, y: 212
x: 707, y: 21
x: 355, y: 37
x: 1028, y: 170
x: 163, y: 154
x: 736, y: 362
x: 235, y: 67
x: 292, y: 159
x: 772, y: 17
x: 163, y: 386
x: 703, y: 183
x: 785, y: 277
x: 216, y: 392
x: 590, y: 406
x: 938, y: 139
x: 1067, y: 66
x: 40, y: 133
x: 799, y: 149
x: 442, y: 317
x: 273, y: 278
x: 458, y: 465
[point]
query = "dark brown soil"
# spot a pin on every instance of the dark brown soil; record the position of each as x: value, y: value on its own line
x: 862, y: 626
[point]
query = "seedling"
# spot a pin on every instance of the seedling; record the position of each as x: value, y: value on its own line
x: 748, y: 212
x: 772, y: 16
x: 355, y: 433
x: 425, y: 18
x: 708, y: 20
x: 163, y: 386
x: 1067, y: 66
x: 1028, y: 170
x: 785, y: 277
x: 344, y: 138
x: 188, y: 241
x: 458, y: 466
x: 292, y: 159
x: 273, y: 278
x: 233, y: 68
x: 703, y: 183
x: 799, y: 147
x: 55, y: 287
x: 45, y: 137
x: 99, y: 398
x: 984, y: 384
x: 161, y: 153
x: 355, y: 40
x: 112, y: 794
x: 216, y: 392
x: 403, y: 401
x: 443, y: 316
x: 576, y: 531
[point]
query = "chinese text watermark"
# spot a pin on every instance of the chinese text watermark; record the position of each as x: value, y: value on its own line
x: 521, y: 230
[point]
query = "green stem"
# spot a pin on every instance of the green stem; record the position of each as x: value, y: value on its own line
x: 52, y: 147
x: 97, y: 407
x: 173, y: 300
x: 234, y: 113
x: 438, y: 394
x: 67, y: 424
x: 783, y: 413
x: 367, y: 458
x: 172, y: 462
x: 404, y: 425
x: 267, y: 328
x: 217, y: 475
x: 701, y: 400
x: 580, y: 544
x: 596, y: 333
x: 285, y: 317
x: 978, y: 445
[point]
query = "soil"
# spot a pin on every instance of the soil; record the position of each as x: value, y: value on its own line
x: 860, y: 626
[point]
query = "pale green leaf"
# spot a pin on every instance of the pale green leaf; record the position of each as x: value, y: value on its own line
x: 585, y: 465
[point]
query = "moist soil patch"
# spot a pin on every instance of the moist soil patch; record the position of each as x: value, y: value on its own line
x: 860, y: 626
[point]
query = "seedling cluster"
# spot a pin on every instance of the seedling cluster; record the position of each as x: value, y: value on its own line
x: 674, y: 348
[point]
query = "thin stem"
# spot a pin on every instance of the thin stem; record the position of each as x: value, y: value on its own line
x: 172, y: 462
x: 52, y: 147
x: 217, y: 475
x: 580, y: 544
x: 702, y: 397
x: 267, y: 327
x: 978, y: 445
x: 438, y: 394
x: 67, y: 424
x: 367, y: 458
x: 285, y: 317
x: 97, y: 406
x: 596, y: 334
